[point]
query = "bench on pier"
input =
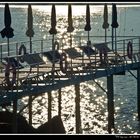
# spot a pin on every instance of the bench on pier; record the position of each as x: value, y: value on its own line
x: 50, y: 54
x: 33, y: 59
x: 100, y: 46
x: 73, y: 53
x: 14, y: 61
x: 28, y: 60
x: 24, y: 68
x: 113, y: 58
x: 88, y: 50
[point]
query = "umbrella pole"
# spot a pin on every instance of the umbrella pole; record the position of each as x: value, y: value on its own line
x: 116, y: 47
x: 49, y: 93
x: 115, y: 41
x: 71, y: 47
x: 8, y: 46
x: 88, y: 48
x: 70, y: 40
x: 105, y: 35
x: 88, y: 36
x: 112, y: 38
x: 30, y: 97
x: 53, y: 65
x: 106, y: 44
x: 30, y: 44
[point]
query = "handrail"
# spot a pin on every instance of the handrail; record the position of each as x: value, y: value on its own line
x: 75, y: 36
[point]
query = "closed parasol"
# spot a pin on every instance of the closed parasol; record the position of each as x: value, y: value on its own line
x: 70, y: 22
x: 105, y: 23
x: 53, y: 21
x: 7, y: 31
x: 114, y: 25
x: 30, y: 31
x: 88, y: 26
x: 114, y: 17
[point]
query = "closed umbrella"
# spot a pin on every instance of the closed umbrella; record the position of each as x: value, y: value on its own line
x: 53, y: 30
x: 105, y: 23
x: 7, y: 31
x: 87, y: 26
x: 70, y: 25
x: 30, y: 31
x: 114, y: 25
x: 105, y: 17
x: 114, y: 17
x: 105, y: 26
x: 70, y: 22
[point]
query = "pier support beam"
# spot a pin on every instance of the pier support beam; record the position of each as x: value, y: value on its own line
x: 138, y: 92
x: 30, y: 110
x: 110, y: 105
x: 77, y: 109
x: 49, y: 109
x: 49, y: 106
x: 14, y: 124
x: 59, y: 102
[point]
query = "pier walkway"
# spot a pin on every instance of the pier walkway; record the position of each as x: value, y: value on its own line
x: 39, y: 76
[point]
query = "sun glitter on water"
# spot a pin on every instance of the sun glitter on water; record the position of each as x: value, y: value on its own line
x: 63, y: 9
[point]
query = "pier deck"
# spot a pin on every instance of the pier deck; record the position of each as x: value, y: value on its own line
x: 41, y: 77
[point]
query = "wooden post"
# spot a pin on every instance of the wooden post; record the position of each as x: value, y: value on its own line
x: 49, y: 110
x: 110, y: 96
x: 138, y: 92
x: 59, y: 102
x: 49, y: 106
x: 77, y: 109
x: 30, y: 110
x: 14, y: 125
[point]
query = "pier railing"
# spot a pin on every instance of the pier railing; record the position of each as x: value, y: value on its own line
x: 46, y: 44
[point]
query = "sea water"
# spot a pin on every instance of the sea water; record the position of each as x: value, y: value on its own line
x: 93, y: 99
